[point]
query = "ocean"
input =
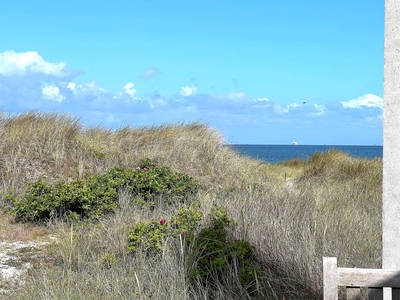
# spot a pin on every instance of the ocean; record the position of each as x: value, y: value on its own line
x: 279, y: 153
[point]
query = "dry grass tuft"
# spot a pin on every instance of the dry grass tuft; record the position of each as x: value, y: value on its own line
x: 11, y: 231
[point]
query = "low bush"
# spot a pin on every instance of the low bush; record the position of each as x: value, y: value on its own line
x: 215, y: 255
x: 152, y: 235
x: 212, y: 255
x: 91, y: 197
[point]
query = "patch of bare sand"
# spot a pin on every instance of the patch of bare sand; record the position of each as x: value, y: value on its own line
x: 19, y: 245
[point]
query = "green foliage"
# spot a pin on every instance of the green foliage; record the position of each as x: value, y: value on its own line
x: 151, y: 235
x: 39, y: 203
x: 109, y: 260
x: 186, y: 220
x: 91, y: 197
x: 214, y: 254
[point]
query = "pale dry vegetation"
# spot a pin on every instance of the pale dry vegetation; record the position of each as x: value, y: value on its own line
x: 292, y: 213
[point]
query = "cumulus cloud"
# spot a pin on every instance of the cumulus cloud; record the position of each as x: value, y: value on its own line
x: 82, y: 91
x: 76, y: 89
x: 28, y: 81
x: 235, y: 103
x: 188, y: 90
x: 12, y: 64
x: 149, y: 73
x: 368, y: 100
x: 129, y: 89
x: 239, y: 95
x: 318, y: 110
x: 157, y: 102
x: 284, y: 109
x: 52, y: 92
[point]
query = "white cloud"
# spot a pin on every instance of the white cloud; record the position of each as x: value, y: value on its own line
x: 12, y: 63
x: 52, y: 92
x: 149, y: 73
x: 88, y: 89
x: 27, y: 82
x: 294, y: 105
x: 368, y: 100
x: 77, y: 88
x: 71, y: 86
x: 319, y: 110
x: 128, y: 88
x: 158, y: 103
x: 188, y: 90
x: 239, y: 95
x: 285, y: 109
x: 127, y: 94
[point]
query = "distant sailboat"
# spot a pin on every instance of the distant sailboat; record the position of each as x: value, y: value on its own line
x: 295, y: 143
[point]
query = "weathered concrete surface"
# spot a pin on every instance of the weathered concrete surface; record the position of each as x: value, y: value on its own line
x: 391, y: 138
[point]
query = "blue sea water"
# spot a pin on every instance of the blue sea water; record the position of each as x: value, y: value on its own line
x: 279, y: 153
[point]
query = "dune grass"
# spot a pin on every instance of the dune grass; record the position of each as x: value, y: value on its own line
x: 292, y: 213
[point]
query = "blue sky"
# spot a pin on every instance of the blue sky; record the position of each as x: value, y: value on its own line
x: 259, y: 72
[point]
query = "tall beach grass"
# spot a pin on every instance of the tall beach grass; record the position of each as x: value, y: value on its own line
x: 292, y: 213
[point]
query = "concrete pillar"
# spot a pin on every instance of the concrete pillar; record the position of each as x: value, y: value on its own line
x: 391, y: 144
x: 391, y: 138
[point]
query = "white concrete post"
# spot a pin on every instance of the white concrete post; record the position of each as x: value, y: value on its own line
x: 391, y: 138
x: 391, y: 144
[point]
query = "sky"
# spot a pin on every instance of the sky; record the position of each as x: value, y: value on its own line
x: 258, y: 71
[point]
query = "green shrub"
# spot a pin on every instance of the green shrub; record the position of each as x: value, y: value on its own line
x: 91, y: 197
x: 214, y: 254
x: 109, y: 260
x: 39, y: 203
x: 151, y: 235
x: 211, y: 252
